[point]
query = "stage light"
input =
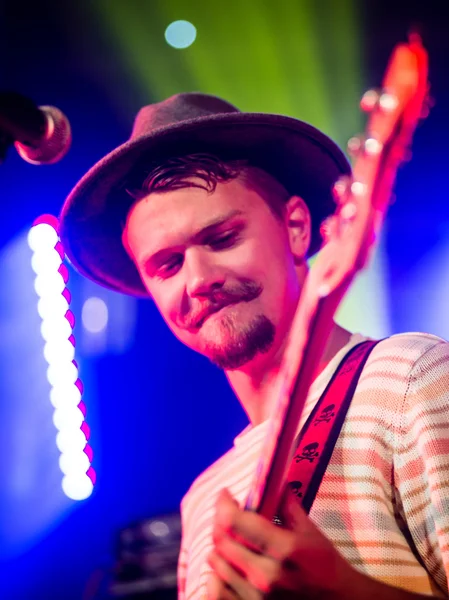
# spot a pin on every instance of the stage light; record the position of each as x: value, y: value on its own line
x: 74, y: 463
x: 68, y: 416
x: 57, y: 374
x: 46, y: 260
x: 55, y: 327
x: 94, y: 315
x: 48, y: 307
x: 70, y: 440
x: 77, y: 487
x: 159, y: 528
x: 59, y: 352
x: 65, y: 394
x: 180, y: 34
x: 42, y: 236
x: 49, y: 284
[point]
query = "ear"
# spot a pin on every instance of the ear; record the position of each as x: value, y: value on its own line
x: 298, y: 221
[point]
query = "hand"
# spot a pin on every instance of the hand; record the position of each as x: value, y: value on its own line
x: 253, y: 558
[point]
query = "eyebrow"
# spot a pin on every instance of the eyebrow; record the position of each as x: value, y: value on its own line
x: 152, y: 259
x: 216, y: 223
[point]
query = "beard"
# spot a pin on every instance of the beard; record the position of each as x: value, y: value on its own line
x: 228, y: 342
x: 240, y: 344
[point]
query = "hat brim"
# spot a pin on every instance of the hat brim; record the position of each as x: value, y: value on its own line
x: 302, y: 158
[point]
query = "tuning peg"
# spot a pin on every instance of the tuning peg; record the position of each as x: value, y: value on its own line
x: 359, y: 144
x: 382, y: 99
x: 372, y: 146
x: 355, y: 145
x: 358, y: 188
x: 341, y: 189
x: 369, y: 100
x: 388, y: 102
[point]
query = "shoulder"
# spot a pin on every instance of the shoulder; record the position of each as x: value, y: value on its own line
x: 412, y: 344
x: 386, y: 383
x: 421, y: 362
x: 428, y: 380
x: 404, y: 352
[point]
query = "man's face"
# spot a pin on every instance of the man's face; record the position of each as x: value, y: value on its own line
x: 219, y: 268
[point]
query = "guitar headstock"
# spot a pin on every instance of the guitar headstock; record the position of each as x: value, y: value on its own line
x: 363, y: 199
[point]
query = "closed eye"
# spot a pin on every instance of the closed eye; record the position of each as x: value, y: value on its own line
x: 220, y: 242
x: 165, y: 266
x: 170, y: 267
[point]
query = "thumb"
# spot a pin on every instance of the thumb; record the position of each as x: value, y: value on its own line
x: 295, y: 516
x: 298, y: 520
x: 225, y: 511
x: 225, y: 496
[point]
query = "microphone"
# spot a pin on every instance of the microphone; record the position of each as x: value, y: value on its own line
x: 41, y: 135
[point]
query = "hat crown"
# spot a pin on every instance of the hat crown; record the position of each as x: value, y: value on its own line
x: 177, y: 109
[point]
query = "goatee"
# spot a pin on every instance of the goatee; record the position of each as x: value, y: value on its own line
x: 242, y: 344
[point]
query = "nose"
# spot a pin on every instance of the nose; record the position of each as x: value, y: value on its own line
x: 203, y: 274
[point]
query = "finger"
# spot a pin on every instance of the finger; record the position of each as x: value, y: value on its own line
x: 260, y: 570
x: 296, y: 518
x: 225, y: 507
x: 229, y: 576
x: 308, y: 536
x: 218, y: 590
x: 251, y: 529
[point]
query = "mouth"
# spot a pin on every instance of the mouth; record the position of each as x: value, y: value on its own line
x: 212, y: 311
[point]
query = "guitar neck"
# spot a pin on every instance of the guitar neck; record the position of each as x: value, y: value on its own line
x: 354, y: 227
x: 268, y: 486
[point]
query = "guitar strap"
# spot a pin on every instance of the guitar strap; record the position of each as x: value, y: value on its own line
x: 317, y: 438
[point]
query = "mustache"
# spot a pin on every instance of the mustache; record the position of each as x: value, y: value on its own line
x: 243, y: 291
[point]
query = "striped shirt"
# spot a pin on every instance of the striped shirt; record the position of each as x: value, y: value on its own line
x: 384, y: 499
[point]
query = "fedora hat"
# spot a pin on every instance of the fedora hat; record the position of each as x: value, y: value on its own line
x: 305, y: 161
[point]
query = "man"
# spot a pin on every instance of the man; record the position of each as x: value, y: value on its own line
x: 212, y: 213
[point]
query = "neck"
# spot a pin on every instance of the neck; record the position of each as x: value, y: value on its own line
x: 257, y: 387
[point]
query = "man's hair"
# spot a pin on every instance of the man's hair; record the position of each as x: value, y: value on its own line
x: 205, y: 171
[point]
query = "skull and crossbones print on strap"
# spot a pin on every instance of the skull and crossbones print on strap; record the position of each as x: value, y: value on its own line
x: 317, y: 438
